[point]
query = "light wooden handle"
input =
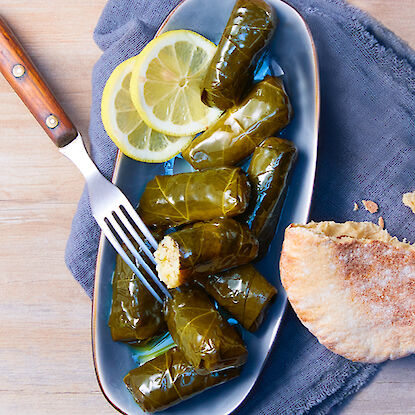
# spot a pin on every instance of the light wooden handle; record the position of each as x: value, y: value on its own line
x: 22, y: 75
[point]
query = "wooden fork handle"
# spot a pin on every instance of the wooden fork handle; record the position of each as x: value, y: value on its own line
x: 22, y: 75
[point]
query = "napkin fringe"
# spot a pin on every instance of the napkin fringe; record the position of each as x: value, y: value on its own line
x: 384, y: 47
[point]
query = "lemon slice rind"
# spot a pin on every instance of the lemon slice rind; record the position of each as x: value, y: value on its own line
x: 160, y: 82
x: 117, y: 105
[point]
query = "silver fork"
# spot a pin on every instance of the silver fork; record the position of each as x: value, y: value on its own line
x: 111, y: 209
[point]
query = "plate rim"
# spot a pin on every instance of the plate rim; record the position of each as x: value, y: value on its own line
x: 114, y: 177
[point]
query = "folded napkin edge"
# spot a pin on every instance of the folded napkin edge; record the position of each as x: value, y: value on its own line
x: 384, y: 47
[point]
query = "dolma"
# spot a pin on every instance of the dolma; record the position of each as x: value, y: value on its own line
x: 268, y: 173
x: 249, y: 29
x: 169, y: 379
x: 208, y: 342
x: 263, y: 112
x: 135, y: 316
x: 191, y: 197
x: 204, y: 248
x: 243, y: 292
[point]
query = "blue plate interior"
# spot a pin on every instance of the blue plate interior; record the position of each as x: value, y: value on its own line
x: 292, y: 51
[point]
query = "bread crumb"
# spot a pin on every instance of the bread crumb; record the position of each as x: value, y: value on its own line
x: 356, y: 206
x: 381, y: 222
x: 408, y: 199
x: 370, y: 206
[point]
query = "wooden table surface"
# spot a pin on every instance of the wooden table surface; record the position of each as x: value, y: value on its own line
x: 45, y: 345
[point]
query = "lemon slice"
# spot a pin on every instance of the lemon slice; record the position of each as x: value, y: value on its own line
x: 166, y: 83
x: 125, y: 126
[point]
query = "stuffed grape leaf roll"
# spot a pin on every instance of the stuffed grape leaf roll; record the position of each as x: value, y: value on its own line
x: 169, y: 379
x: 136, y: 315
x: 263, y: 112
x: 248, y: 31
x: 206, y: 339
x: 268, y: 173
x: 243, y: 292
x: 192, y: 197
x: 204, y: 248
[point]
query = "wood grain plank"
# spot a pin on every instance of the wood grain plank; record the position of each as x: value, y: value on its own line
x: 45, y: 347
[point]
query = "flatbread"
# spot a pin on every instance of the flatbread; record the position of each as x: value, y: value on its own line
x: 408, y: 199
x: 353, y: 286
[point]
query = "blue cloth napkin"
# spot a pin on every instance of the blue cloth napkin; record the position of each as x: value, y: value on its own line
x: 366, y: 151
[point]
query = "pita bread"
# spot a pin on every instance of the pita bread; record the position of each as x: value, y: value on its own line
x: 408, y: 199
x: 353, y: 286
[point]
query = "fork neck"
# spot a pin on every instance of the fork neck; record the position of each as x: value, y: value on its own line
x: 76, y: 152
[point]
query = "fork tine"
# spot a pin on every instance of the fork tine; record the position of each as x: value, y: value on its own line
x: 134, y: 251
x: 125, y: 221
x: 114, y: 242
x: 141, y: 225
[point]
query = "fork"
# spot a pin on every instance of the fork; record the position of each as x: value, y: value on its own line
x: 110, y: 208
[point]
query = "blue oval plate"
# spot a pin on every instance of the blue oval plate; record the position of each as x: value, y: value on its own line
x: 292, y: 54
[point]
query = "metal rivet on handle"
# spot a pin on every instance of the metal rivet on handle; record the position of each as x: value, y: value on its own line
x: 52, y: 121
x: 18, y: 70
